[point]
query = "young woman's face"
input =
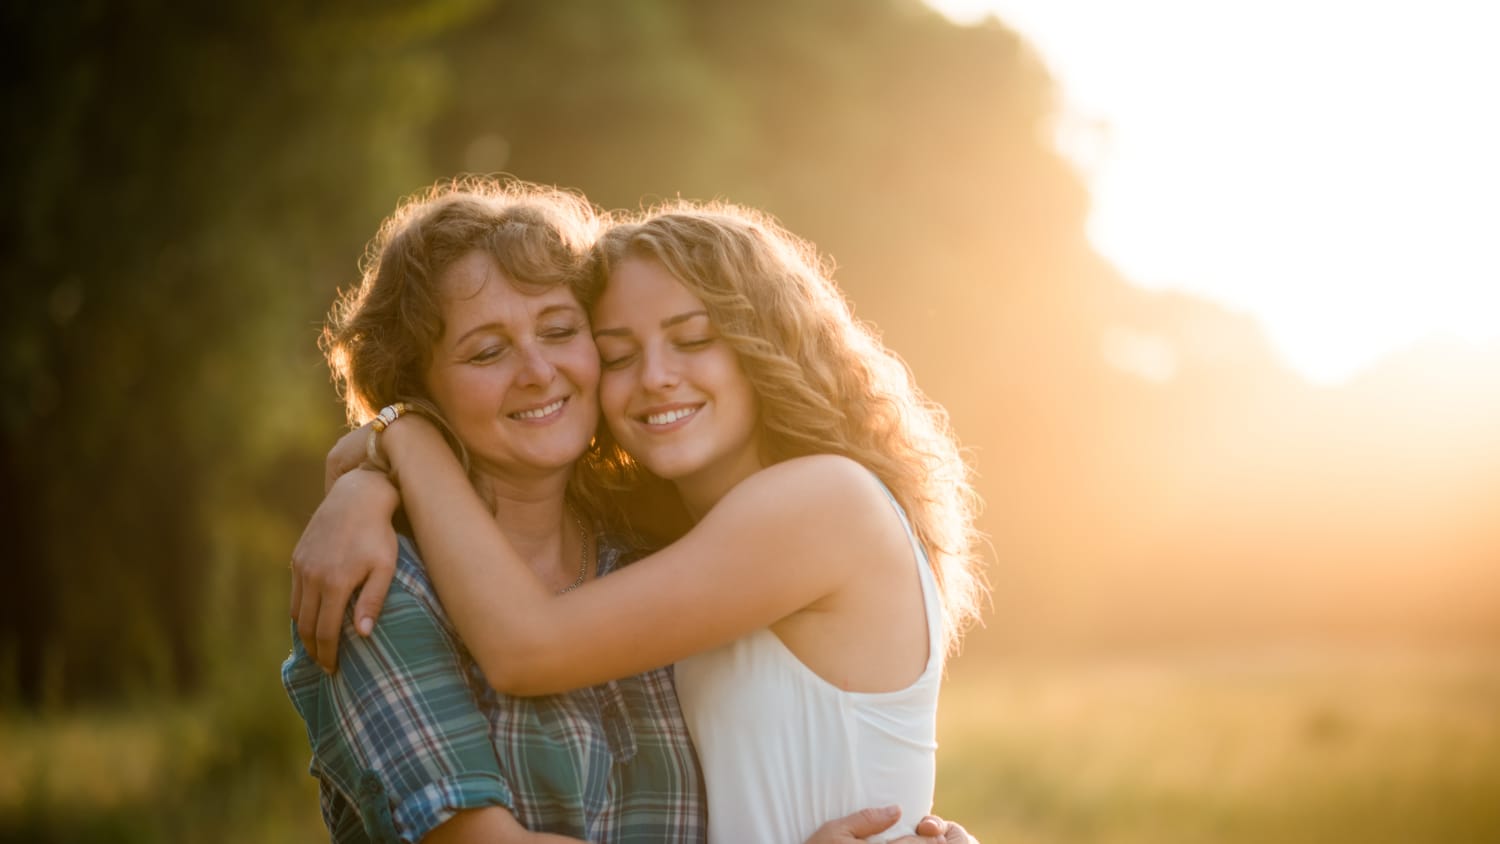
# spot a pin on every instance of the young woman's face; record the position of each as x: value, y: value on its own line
x: 515, y: 373
x: 672, y: 391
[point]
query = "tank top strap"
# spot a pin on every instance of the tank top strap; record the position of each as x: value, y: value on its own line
x: 930, y: 596
x: 911, y: 534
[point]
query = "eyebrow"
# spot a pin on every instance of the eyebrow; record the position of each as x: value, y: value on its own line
x: 490, y: 326
x: 666, y: 323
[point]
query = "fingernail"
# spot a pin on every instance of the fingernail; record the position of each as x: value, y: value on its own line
x: 366, y: 625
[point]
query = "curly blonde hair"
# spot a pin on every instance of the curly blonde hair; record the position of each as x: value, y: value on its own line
x: 825, y: 382
x: 380, y: 334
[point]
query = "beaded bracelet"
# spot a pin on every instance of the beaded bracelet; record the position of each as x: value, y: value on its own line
x: 388, y: 414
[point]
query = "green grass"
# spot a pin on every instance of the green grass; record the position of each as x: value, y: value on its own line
x: 1278, y: 748
x: 1369, y: 748
x: 228, y: 770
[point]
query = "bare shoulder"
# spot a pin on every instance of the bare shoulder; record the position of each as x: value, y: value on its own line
x: 822, y: 522
x: 815, y: 474
x: 816, y: 487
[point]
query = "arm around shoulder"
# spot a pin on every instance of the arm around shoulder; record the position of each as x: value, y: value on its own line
x: 781, y: 541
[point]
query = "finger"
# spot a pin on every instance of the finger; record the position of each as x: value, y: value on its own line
x: 329, y: 623
x: 868, y: 822
x: 332, y: 466
x: 956, y: 834
x: 307, y: 620
x: 371, y: 599
x: 346, y: 455
x: 929, y: 830
x: 296, y: 596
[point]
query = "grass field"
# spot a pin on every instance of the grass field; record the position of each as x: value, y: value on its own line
x: 1272, y: 747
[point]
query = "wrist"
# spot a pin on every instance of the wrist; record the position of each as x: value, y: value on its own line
x: 414, y: 437
x: 371, y: 483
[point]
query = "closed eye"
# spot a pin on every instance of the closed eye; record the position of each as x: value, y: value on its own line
x: 616, y: 362
x: 562, y: 332
x: 488, y: 354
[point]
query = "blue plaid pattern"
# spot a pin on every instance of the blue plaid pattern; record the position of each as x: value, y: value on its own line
x: 407, y: 733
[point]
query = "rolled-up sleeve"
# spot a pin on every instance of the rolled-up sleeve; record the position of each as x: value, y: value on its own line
x: 397, y: 734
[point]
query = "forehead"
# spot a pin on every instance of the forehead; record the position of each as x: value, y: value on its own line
x: 643, y: 287
x: 474, y: 288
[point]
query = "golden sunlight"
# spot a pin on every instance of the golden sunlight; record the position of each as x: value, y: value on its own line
x: 1326, y: 166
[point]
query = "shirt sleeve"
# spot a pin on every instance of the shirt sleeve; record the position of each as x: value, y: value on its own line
x: 396, y: 732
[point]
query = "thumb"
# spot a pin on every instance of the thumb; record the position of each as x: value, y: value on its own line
x: 932, y: 826
x: 867, y: 822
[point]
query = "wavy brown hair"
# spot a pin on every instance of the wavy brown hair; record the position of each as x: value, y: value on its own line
x: 380, y: 334
x: 825, y: 382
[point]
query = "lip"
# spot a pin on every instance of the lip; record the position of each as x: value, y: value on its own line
x: 691, y: 408
x: 557, y: 406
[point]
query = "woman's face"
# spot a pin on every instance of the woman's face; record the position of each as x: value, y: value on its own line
x: 515, y: 373
x: 672, y: 391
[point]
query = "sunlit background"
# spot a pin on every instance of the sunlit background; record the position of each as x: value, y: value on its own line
x: 1326, y: 167
x: 1210, y: 291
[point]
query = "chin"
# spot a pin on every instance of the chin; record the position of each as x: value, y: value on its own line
x: 671, y: 468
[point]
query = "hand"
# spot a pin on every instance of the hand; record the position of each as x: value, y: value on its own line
x: 868, y: 822
x: 348, y: 542
x: 346, y: 455
x: 932, y: 828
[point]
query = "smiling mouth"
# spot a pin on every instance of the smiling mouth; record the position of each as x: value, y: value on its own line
x: 540, y: 412
x: 669, y: 416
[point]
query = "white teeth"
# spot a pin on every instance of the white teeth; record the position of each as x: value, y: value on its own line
x: 539, y: 412
x: 670, y: 416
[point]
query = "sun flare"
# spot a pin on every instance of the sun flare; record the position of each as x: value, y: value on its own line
x: 1326, y: 166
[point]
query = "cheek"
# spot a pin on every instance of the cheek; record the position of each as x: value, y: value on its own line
x: 737, y: 383
x: 614, y: 393
x: 465, y: 396
x: 445, y: 393
x: 582, y: 364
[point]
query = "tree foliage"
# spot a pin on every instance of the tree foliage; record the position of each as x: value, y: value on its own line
x: 189, y: 184
x: 183, y: 181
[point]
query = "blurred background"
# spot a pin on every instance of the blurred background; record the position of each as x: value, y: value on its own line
x: 1242, y: 479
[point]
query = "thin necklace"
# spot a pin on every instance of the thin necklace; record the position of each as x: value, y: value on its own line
x: 583, y: 554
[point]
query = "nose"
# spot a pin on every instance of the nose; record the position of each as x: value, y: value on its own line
x: 658, y: 369
x: 536, y: 368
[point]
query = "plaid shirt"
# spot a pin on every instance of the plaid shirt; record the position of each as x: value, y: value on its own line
x: 407, y: 733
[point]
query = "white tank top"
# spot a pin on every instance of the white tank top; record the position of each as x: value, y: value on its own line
x: 784, y: 751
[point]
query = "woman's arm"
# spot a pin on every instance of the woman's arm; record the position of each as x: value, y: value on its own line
x: 348, y: 544
x: 784, y: 539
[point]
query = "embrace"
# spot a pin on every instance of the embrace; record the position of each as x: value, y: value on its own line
x: 643, y: 537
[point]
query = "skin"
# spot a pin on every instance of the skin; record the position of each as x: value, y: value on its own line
x: 499, y: 374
